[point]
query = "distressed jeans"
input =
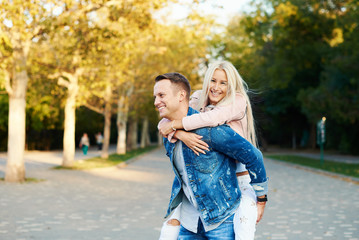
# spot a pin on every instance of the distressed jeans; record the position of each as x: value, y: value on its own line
x: 224, y: 231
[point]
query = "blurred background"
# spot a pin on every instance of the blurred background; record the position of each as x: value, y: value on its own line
x: 93, y: 62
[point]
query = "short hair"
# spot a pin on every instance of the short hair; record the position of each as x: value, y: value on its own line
x: 180, y: 81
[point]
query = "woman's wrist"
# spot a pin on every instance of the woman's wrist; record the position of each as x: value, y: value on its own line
x: 177, y: 124
x: 172, y: 125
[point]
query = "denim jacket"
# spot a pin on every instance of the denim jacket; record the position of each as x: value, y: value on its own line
x: 212, y: 175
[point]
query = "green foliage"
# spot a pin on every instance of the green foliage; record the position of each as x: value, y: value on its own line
x: 302, y: 56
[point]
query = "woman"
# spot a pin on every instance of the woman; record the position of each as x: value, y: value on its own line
x: 223, y: 99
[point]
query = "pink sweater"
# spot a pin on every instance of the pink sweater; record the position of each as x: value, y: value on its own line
x: 231, y: 114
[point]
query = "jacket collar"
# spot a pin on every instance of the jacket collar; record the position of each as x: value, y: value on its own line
x: 191, y: 111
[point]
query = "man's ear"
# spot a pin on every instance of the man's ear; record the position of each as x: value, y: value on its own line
x: 183, y: 95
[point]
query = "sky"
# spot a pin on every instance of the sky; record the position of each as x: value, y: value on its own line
x: 230, y: 8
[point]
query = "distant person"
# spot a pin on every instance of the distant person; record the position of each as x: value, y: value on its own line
x: 84, y: 143
x: 99, y: 140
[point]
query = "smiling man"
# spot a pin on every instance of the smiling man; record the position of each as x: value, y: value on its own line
x: 206, y: 185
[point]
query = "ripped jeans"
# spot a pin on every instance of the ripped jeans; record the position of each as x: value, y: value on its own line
x: 244, y: 221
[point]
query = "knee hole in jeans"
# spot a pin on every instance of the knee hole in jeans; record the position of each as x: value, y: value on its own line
x: 173, y: 222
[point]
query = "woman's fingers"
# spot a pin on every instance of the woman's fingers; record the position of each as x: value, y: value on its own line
x: 202, y: 145
x: 198, y: 150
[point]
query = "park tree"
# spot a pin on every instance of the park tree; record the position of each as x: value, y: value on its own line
x: 70, y: 60
x: 285, y: 48
x: 123, y: 27
x: 336, y: 94
x: 21, y: 23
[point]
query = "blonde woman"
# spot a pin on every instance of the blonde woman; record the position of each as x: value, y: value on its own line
x: 222, y: 100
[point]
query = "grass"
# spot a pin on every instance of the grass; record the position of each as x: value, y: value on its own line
x: 28, y: 180
x: 335, y: 167
x: 112, y: 160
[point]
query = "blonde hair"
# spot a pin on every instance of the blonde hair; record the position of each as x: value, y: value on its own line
x: 235, y: 85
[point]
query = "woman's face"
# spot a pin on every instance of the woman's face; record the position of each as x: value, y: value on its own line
x: 218, y: 87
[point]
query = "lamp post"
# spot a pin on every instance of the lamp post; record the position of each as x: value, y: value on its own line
x: 321, y: 137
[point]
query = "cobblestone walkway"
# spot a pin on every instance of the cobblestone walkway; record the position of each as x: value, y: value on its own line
x: 129, y: 203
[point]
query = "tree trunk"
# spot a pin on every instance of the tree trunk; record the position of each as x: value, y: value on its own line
x: 121, y: 137
x: 160, y: 139
x: 132, y: 135
x: 145, y: 138
x: 312, y: 136
x: 70, y: 122
x: 294, y: 141
x: 15, y: 167
x: 122, y: 124
x: 107, y: 127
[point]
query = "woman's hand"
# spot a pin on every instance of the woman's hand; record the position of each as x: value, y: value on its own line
x: 260, y: 210
x: 193, y: 141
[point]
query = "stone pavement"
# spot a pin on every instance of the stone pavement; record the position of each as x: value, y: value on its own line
x: 129, y: 203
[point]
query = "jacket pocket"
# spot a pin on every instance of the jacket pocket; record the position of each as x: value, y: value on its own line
x: 224, y: 188
x: 206, y: 163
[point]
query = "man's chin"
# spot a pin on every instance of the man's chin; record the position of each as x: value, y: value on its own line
x: 163, y: 115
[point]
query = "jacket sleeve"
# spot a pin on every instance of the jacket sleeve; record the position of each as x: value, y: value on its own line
x: 218, y: 116
x: 226, y: 141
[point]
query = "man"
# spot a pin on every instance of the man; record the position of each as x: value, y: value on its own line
x: 206, y: 185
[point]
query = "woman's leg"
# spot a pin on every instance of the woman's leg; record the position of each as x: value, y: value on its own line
x: 245, y: 217
x: 171, y: 227
x: 84, y: 149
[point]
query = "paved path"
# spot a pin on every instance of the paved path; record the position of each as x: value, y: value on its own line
x: 129, y: 203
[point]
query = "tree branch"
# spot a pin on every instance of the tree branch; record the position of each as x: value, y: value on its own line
x: 62, y: 82
x: 95, y: 109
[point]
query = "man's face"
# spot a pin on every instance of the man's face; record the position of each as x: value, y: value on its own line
x: 167, y: 99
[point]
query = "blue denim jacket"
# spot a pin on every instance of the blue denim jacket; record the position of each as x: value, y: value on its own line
x: 212, y: 175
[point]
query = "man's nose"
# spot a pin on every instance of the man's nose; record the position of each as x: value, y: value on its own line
x: 156, y: 101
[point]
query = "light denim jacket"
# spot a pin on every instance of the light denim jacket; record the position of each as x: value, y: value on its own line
x: 212, y: 175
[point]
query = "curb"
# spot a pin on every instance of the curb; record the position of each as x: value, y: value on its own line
x: 131, y: 160
x: 342, y: 177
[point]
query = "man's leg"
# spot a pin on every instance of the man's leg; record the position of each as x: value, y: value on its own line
x: 184, y: 234
x: 225, y: 231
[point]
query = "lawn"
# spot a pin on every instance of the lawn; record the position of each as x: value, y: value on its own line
x: 113, y: 160
x: 336, y: 167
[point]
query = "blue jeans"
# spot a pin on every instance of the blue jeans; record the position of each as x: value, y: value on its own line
x: 225, y: 231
